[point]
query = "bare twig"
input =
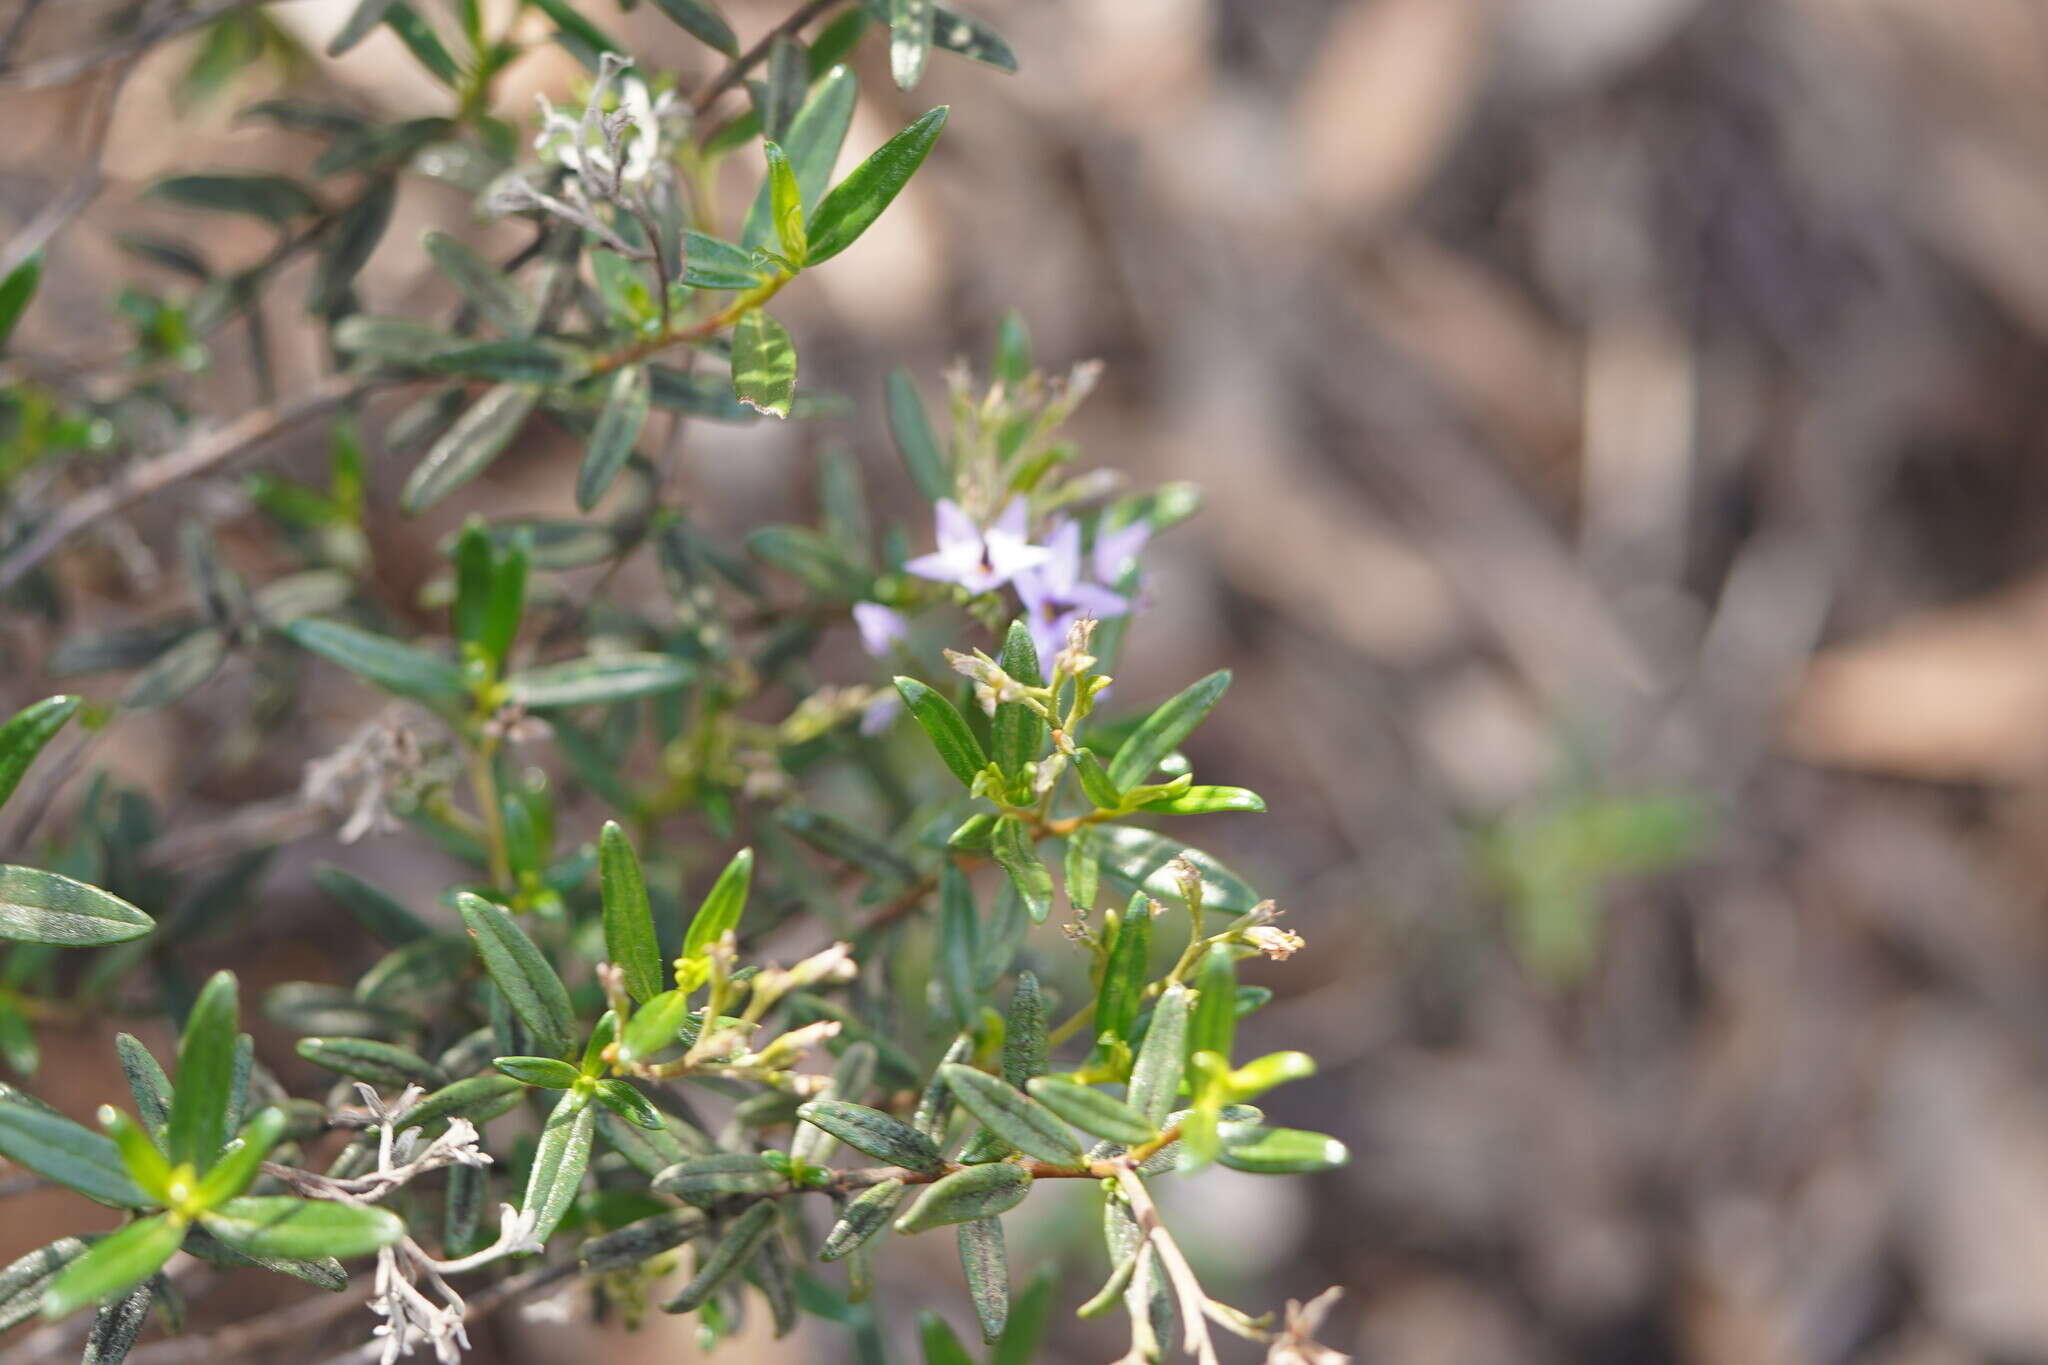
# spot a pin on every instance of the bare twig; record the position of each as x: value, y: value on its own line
x: 154, y: 475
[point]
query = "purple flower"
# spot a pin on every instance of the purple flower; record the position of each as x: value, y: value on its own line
x: 1055, y: 595
x: 881, y: 628
x: 979, y: 560
x: 881, y: 713
x: 1116, y: 551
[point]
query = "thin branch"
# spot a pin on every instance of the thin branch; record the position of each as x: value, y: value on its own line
x: 154, y: 475
x: 63, y: 70
x: 753, y: 56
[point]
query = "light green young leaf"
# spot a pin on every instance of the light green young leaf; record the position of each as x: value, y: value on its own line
x: 786, y: 205
x: 815, y: 137
x: 629, y: 937
x: 546, y: 1073
x: 279, y: 1225
x: 763, y: 364
x: 206, y: 1077
x: 1280, y: 1151
x: 720, y: 911
x: 118, y: 1262
x: 1207, y: 801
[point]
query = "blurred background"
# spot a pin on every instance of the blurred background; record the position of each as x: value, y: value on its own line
x: 1626, y: 517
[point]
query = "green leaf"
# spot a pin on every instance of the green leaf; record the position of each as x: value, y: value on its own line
x: 929, y: 468
x: 1213, y: 1026
x: 548, y: 1073
x: 1164, y: 729
x: 706, y: 1180
x: 1024, y: 1038
x: 69, y: 1153
x: 420, y: 40
x: 939, y: 1344
x: 720, y: 911
x: 970, y: 38
x: 526, y: 360
x: 559, y: 1162
x: 206, y: 1077
x: 119, y: 1261
x: 947, y: 729
x: 177, y: 671
x: 346, y: 247
x: 1155, y: 1075
x: 968, y: 1194
x: 701, y: 21
x: 1281, y: 1151
x: 365, y: 17
x: 598, y: 680
x: 1091, y: 1110
x: 415, y: 976
x: 366, y: 1059
x: 578, y: 27
x: 763, y: 364
x: 23, y: 737
x: 22, y: 1281
x: 1083, y: 871
x: 1014, y: 1116
x: 654, y: 1026
x: 279, y: 1225
x: 873, y: 1133
x: 837, y: 838
x: 866, y: 1214
x: 786, y: 204
x: 1140, y: 858
x: 639, y: 1241
x: 530, y: 985
x: 712, y: 263
x: 16, y: 290
x: 855, y: 202
x: 1095, y: 781
x: 478, y: 437
x: 910, y: 40
x: 780, y: 91
x: 626, y: 402
x: 44, y: 907
x: 1207, y: 801
x: 629, y: 1104
x: 629, y: 937
x: 1017, y: 732
x: 1123, y: 978
x: 959, y: 945
x: 237, y: 1168
x: 987, y: 1268
x: 487, y: 289
x: 476, y: 1098
x: 272, y: 198
x: 392, y: 665
x: 398, y: 342
x: 815, y: 138
x: 1012, y: 848
x: 742, y: 1239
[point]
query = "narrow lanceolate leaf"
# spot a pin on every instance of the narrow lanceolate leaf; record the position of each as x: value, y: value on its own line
x: 959, y: 946
x: 1014, y: 1116
x: 559, y: 1162
x: 1213, y: 1025
x: 987, y: 1267
x: 1155, y: 1075
x: 1091, y: 1110
x: 1207, y: 801
x: 347, y: 246
x: 598, y: 680
x: 23, y: 737
x: 43, y: 907
x: 785, y: 204
x: 116, y: 1325
x: 629, y: 937
x: 910, y: 40
x: 1013, y: 849
x: 929, y: 468
x: 970, y: 38
x: 1028, y: 1320
x: 654, y: 1026
x: 549, y: 1073
x: 1017, y: 732
x: 177, y: 671
x: 650, y: 1150
x: 738, y: 1246
x: 476, y: 1098
x: 1281, y: 1151
x: 720, y: 912
x: 1142, y: 858
x: 278, y: 1225
x: 636, y: 1242
x: 975, y: 1192
x: 713, y: 263
x: 15, y: 292
x: 392, y: 665
x: 705, y: 1180
x: 478, y: 437
x: 530, y: 985
x: 206, y: 1077
x: 625, y: 413
x: 272, y: 198
x: 1024, y: 1037
x: 1164, y: 729
x: 763, y: 364
x: 366, y: 16
x: 1124, y: 976
x: 855, y: 202
x: 116, y: 1263
x: 866, y: 1214
x: 939, y: 1344
x: 874, y: 1133
x: 22, y: 1282
x: 813, y: 145
x: 69, y: 1153
x: 237, y: 1168
x: 385, y: 1065
x: 621, y: 1098
x: 374, y: 909
x: 522, y: 360
x: 947, y: 729
x: 701, y: 21
x: 487, y: 289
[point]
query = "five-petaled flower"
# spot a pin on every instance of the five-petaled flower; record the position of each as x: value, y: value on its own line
x: 980, y: 560
x: 1055, y: 595
x: 881, y: 628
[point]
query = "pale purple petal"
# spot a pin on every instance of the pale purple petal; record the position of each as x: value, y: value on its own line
x: 1063, y: 564
x: 1008, y: 557
x: 1092, y: 599
x: 1014, y: 520
x: 881, y: 628
x: 1114, y: 550
x: 1049, y: 634
x: 880, y: 714
x: 955, y: 527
